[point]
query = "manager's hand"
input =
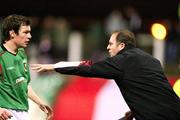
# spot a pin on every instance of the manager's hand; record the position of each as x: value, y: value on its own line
x: 129, y: 115
x: 42, y: 67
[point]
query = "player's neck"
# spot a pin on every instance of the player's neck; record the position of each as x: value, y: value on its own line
x: 11, y: 47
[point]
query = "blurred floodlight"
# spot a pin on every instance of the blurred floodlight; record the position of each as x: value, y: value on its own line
x: 158, y: 31
x: 176, y: 87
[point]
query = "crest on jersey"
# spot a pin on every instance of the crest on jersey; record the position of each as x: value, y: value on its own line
x: 25, y: 65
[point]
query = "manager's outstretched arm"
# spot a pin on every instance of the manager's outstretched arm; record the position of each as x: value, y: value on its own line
x: 51, y: 67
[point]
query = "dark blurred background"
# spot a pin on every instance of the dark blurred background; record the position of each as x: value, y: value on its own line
x: 83, y: 10
x: 153, y: 9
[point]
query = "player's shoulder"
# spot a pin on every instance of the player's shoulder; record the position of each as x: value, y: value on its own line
x: 1, y: 51
x: 21, y: 52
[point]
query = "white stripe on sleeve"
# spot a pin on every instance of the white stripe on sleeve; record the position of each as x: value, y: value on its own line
x: 67, y: 64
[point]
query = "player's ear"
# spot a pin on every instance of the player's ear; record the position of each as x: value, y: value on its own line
x: 12, y: 34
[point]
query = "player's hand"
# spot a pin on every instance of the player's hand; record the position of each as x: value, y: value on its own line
x: 42, y: 67
x: 129, y: 115
x: 47, y: 110
x: 4, y: 114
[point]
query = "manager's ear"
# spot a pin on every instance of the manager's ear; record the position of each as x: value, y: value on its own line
x: 121, y: 46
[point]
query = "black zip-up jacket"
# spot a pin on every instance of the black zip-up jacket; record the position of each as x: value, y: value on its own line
x: 141, y: 80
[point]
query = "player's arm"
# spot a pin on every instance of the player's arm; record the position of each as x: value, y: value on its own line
x: 5, y: 114
x: 34, y: 97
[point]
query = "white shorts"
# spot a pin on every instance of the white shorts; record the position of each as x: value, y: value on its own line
x: 19, y: 115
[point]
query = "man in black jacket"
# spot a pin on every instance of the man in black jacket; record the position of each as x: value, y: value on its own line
x: 139, y: 76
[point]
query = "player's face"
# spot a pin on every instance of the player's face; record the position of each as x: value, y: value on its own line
x: 22, y: 39
x: 114, y: 47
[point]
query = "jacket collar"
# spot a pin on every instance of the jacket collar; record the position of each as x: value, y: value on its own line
x: 127, y: 47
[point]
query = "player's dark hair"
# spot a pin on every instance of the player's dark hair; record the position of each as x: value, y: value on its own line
x: 12, y: 22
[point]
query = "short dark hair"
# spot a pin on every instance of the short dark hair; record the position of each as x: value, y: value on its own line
x: 125, y: 36
x: 12, y: 22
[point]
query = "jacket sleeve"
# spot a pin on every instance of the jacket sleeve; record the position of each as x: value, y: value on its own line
x: 109, y: 68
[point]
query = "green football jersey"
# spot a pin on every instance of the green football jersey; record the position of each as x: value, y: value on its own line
x: 14, y: 79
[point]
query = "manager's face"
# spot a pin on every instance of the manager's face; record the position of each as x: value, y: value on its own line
x: 114, y: 47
